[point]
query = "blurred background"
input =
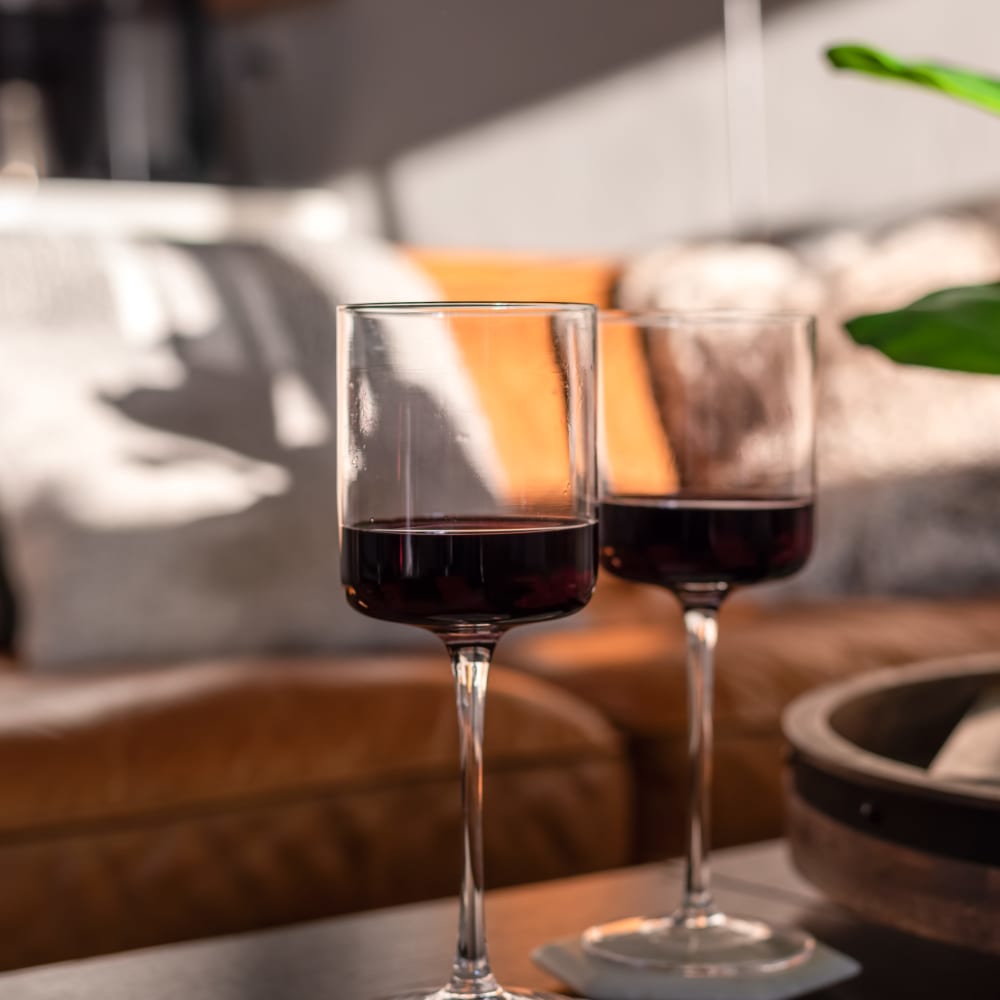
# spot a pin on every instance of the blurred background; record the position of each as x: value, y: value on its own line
x: 197, y: 734
x: 529, y: 124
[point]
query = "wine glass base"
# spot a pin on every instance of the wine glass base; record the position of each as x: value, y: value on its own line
x: 711, y: 946
x: 498, y: 994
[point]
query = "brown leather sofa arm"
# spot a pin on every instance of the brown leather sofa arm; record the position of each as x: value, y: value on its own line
x: 222, y: 796
x: 768, y: 654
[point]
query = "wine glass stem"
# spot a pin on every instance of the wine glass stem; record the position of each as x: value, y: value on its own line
x: 471, y: 974
x: 701, y: 626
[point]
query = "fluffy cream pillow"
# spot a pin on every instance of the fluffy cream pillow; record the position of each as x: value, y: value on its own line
x: 908, y: 458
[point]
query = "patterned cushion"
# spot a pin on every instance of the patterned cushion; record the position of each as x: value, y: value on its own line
x: 168, y: 481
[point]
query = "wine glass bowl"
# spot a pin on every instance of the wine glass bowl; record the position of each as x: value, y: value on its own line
x: 467, y: 475
x: 707, y: 466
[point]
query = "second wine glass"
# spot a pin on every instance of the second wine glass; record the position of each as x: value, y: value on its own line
x: 707, y: 431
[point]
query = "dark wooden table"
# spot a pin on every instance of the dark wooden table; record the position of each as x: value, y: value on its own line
x: 374, y: 954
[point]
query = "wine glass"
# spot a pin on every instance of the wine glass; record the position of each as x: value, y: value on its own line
x: 467, y: 472
x: 707, y: 438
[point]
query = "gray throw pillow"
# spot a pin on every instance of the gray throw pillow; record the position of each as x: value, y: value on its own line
x: 167, y: 455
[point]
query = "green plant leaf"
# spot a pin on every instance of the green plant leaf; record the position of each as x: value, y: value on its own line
x: 957, y: 329
x: 973, y: 88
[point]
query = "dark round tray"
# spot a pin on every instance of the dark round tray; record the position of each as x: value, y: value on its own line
x: 871, y: 827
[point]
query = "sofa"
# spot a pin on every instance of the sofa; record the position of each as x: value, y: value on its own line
x: 164, y: 790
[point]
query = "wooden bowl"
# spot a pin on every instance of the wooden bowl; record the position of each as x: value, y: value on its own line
x: 871, y: 827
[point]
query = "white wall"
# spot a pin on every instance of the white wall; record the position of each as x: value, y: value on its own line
x: 584, y: 125
x: 844, y: 146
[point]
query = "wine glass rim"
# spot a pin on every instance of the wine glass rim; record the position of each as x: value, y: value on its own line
x: 457, y: 308
x: 692, y: 317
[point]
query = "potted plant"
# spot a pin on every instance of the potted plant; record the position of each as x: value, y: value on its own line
x: 955, y: 328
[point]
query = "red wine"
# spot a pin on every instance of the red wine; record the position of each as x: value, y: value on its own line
x: 672, y: 541
x: 443, y: 572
